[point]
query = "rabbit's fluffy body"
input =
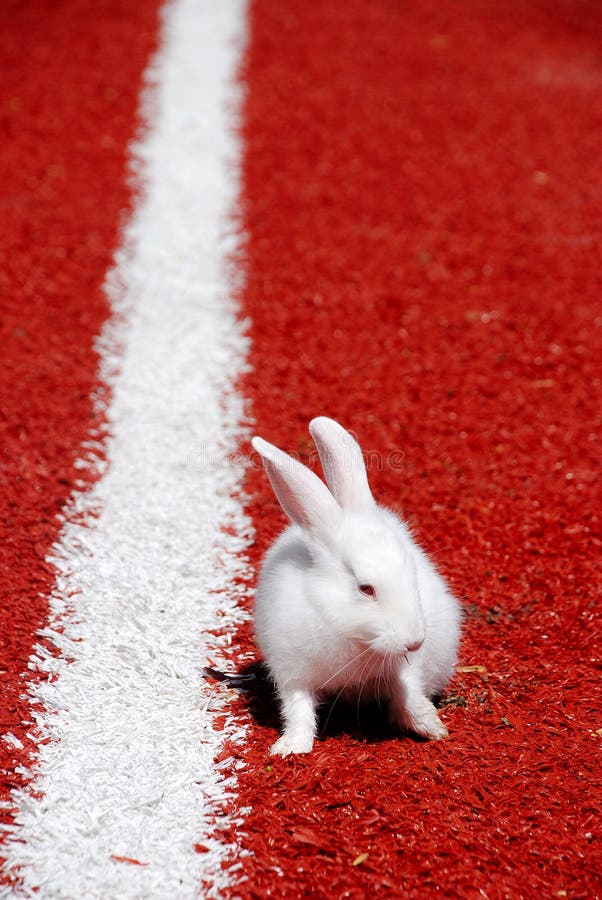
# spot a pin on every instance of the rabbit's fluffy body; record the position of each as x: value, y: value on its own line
x: 346, y: 601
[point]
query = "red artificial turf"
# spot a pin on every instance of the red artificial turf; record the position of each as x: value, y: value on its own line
x: 422, y: 195
x: 423, y: 202
x: 71, y: 74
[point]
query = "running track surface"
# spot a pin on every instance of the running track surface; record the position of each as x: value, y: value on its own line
x: 69, y: 91
x: 422, y: 204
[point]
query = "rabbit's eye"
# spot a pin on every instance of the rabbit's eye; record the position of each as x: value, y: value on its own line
x: 367, y: 590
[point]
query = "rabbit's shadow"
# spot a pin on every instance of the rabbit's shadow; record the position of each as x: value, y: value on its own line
x: 366, y: 721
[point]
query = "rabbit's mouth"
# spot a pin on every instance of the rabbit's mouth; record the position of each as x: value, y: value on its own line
x: 392, y: 645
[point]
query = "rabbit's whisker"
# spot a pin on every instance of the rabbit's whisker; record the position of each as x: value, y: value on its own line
x: 332, y: 706
x: 342, y: 669
x: 361, y: 690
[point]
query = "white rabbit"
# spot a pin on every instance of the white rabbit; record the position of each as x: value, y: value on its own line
x: 346, y: 600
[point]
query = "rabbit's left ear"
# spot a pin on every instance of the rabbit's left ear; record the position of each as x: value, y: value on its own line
x: 343, y: 464
x: 302, y: 495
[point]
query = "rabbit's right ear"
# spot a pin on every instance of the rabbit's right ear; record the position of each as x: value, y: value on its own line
x: 302, y: 495
x: 343, y: 464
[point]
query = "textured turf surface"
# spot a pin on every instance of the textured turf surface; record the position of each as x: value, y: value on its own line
x: 423, y: 203
x: 69, y: 93
x: 422, y: 200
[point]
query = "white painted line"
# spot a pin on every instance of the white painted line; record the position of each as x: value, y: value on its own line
x: 129, y: 769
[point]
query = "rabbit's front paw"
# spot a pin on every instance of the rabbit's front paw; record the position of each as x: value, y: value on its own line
x: 292, y: 742
x: 299, y: 714
x: 421, y: 718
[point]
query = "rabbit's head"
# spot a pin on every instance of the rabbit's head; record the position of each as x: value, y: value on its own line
x: 359, y: 571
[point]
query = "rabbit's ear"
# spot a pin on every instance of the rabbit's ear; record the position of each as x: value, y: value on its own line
x: 302, y: 495
x: 343, y: 464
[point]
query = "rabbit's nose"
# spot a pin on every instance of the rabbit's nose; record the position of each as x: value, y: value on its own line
x: 415, y: 645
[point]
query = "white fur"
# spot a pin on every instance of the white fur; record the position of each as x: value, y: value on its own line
x: 319, y: 634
